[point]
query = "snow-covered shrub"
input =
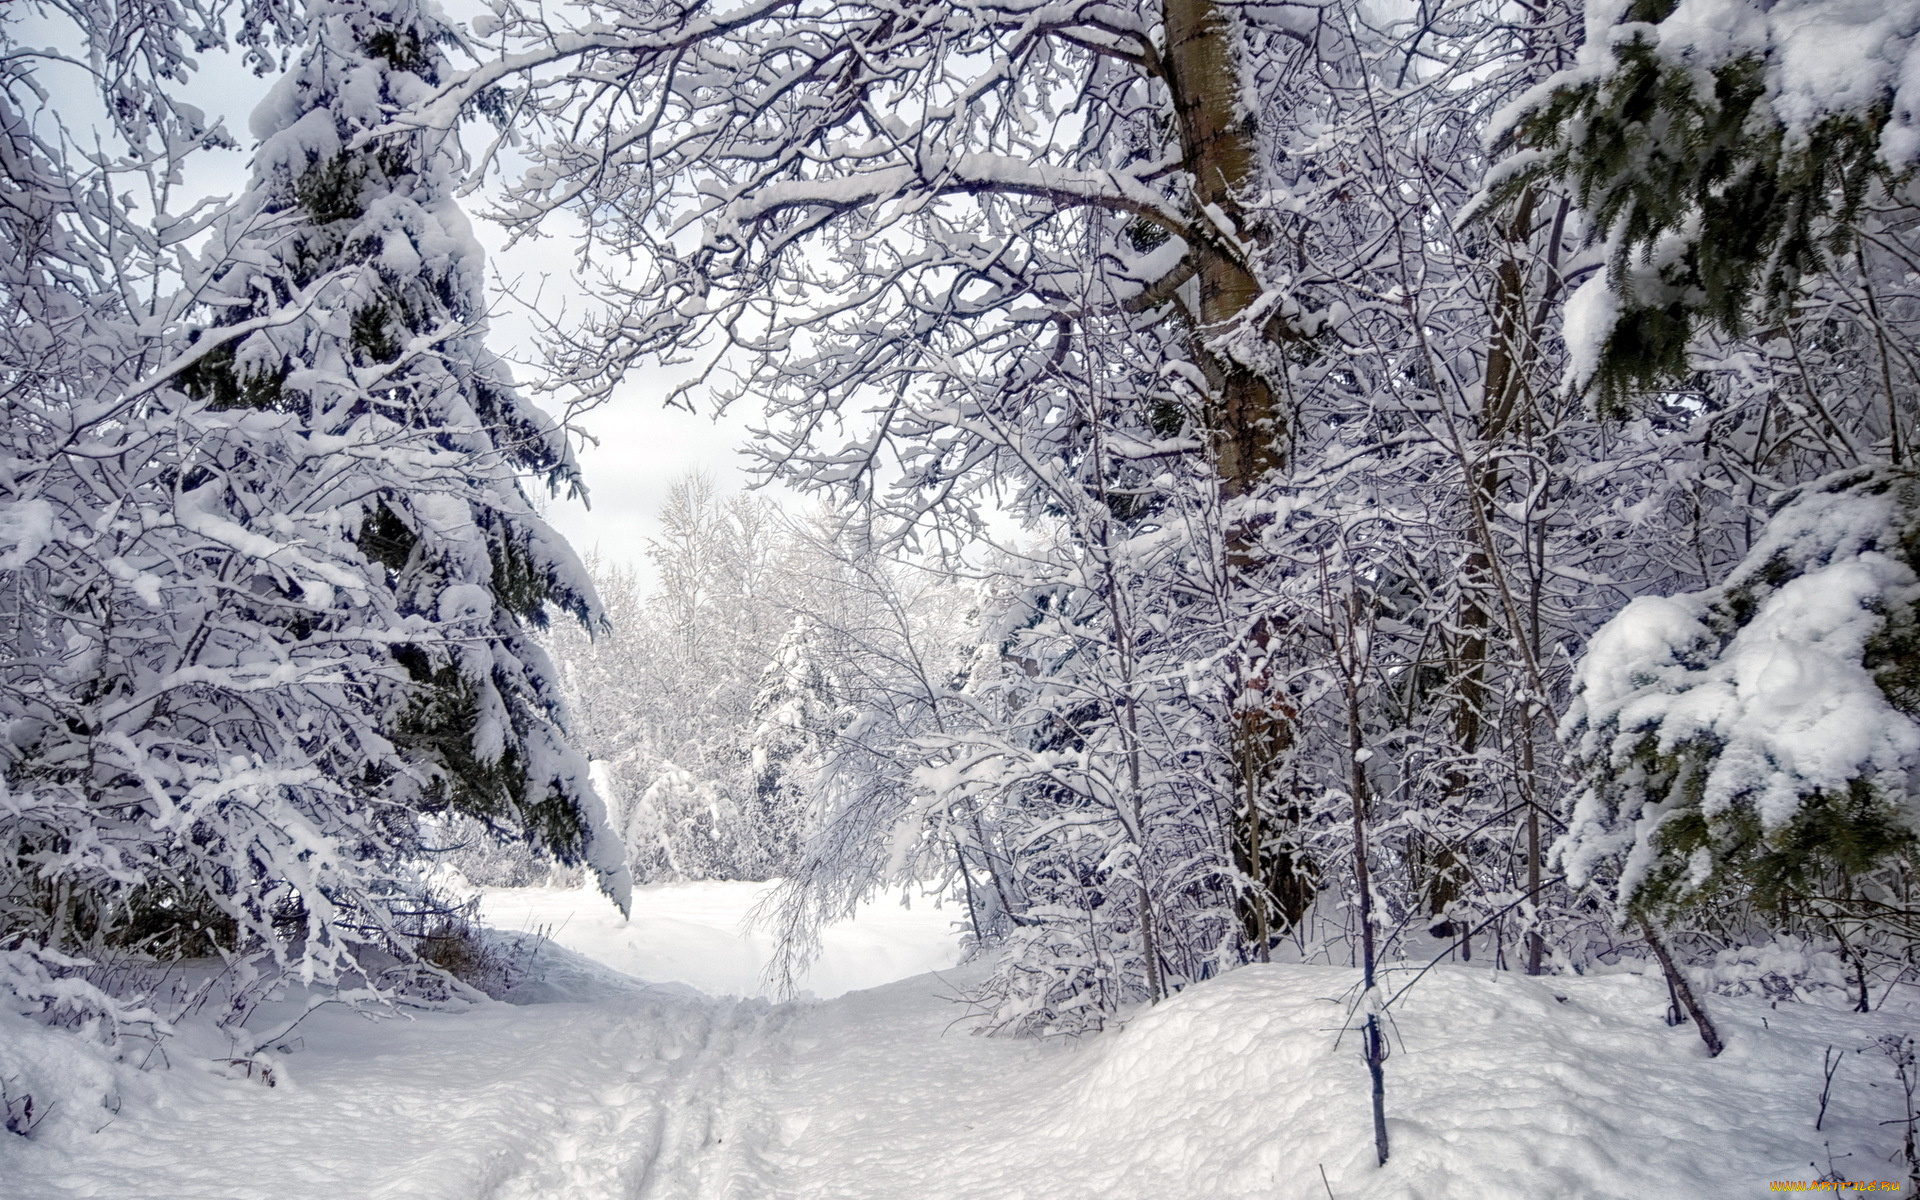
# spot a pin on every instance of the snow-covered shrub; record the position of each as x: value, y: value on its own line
x: 457, y: 944
x: 678, y: 828
x: 1785, y: 968
x: 1067, y: 968
x: 61, y: 990
x: 1759, y: 739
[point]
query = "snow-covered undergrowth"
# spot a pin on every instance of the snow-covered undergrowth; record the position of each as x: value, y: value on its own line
x: 598, y: 1084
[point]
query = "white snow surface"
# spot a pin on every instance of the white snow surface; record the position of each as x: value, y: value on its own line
x: 1499, y: 1086
x: 703, y: 935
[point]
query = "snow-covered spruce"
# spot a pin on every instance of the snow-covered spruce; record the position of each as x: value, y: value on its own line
x: 373, y: 347
x: 795, y: 711
x: 1730, y: 151
x: 275, y: 597
x: 1758, y: 740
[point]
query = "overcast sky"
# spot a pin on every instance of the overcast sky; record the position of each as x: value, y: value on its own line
x: 636, y: 446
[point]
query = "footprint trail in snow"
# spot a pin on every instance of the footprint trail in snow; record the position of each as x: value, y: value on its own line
x: 601, y: 1087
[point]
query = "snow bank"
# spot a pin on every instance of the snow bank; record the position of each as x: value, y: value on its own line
x: 1500, y: 1087
x: 55, y: 1084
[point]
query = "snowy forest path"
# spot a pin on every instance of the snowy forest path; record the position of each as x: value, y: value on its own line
x: 600, y: 1087
x: 664, y: 1098
x: 656, y: 1093
x: 709, y: 1126
x: 883, y: 1094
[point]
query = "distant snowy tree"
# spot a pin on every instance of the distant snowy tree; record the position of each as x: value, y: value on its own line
x: 796, y: 712
x: 667, y: 690
x: 681, y: 826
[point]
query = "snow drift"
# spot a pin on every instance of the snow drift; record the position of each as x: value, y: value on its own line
x: 1242, y: 1086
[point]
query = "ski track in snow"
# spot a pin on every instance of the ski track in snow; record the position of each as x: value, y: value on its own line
x: 609, y: 1089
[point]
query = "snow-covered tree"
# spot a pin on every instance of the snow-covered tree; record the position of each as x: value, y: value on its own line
x: 796, y: 713
x: 354, y: 258
x: 1747, y: 177
x: 1727, y: 154
x: 1756, y: 742
x: 271, y: 583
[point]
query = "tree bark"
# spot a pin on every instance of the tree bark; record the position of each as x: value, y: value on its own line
x: 1536, y: 945
x: 1375, y: 1042
x: 1243, y: 419
x: 1218, y: 148
x: 1683, y: 991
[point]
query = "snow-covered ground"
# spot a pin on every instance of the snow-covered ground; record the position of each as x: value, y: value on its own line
x: 616, y: 1087
x: 702, y: 935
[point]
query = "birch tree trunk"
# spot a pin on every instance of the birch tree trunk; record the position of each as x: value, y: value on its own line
x: 1244, y: 420
x: 1218, y: 146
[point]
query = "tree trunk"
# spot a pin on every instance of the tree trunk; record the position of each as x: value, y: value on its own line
x: 1375, y: 1042
x: 1509, y: 348
x: 1683, y: 991
x: 1243, y: 419
x: 1536, y: 945
x: 1256, y: 851
x: 1218, y: 148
